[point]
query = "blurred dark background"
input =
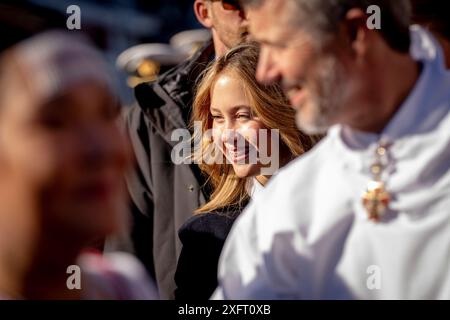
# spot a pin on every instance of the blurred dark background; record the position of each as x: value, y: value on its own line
x: 113, y: 25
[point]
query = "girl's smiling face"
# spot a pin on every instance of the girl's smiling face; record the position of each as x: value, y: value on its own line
x: 236, y: 127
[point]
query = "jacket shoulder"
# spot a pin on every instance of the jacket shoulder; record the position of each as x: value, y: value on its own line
x: 176, y: 82
x: 147, y: 95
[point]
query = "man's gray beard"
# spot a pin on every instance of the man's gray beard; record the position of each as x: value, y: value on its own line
x: 328, y: 100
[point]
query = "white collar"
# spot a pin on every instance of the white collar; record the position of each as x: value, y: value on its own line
x: 254, y: 187
x: 418, y: 113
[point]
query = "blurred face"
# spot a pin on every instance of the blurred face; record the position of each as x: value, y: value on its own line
x: 235, y: 125
x: 69, y: 155
x: 229, y: 22
x: 313, y: 78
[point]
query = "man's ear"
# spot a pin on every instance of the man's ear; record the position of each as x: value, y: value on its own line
x: 357, y: 32
x: 201, y: 10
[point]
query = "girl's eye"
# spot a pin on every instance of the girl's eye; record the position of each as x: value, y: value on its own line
x: 217, y: 118
x: 244, y: 116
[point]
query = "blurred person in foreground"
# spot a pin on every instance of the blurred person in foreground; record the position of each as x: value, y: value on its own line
x: 365, y: 214
x: 435, y: 15
x: 62, y: 158
x: 165, y: 195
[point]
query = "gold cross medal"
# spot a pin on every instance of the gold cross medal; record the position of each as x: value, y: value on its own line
x: 376, y: 200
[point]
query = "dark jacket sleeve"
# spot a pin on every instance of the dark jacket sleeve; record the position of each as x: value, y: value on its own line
x: 140, y: 187
x: 203, y: 237
x: 138, y: 238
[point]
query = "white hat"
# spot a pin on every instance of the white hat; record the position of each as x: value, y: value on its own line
x: 55, y: 60
x: 161, y: 53
x: 190, y: 40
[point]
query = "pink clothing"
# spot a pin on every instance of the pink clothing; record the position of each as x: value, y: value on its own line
x: 115, y: 276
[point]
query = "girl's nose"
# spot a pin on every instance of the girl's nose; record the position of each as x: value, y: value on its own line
x: 228, y: 135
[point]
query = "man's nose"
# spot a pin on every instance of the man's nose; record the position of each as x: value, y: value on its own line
x: 267, y: 71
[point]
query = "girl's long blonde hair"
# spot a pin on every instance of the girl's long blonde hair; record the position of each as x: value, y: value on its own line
x: 268, y: 103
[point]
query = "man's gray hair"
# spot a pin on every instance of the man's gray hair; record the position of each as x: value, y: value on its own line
x: 323, y: 17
